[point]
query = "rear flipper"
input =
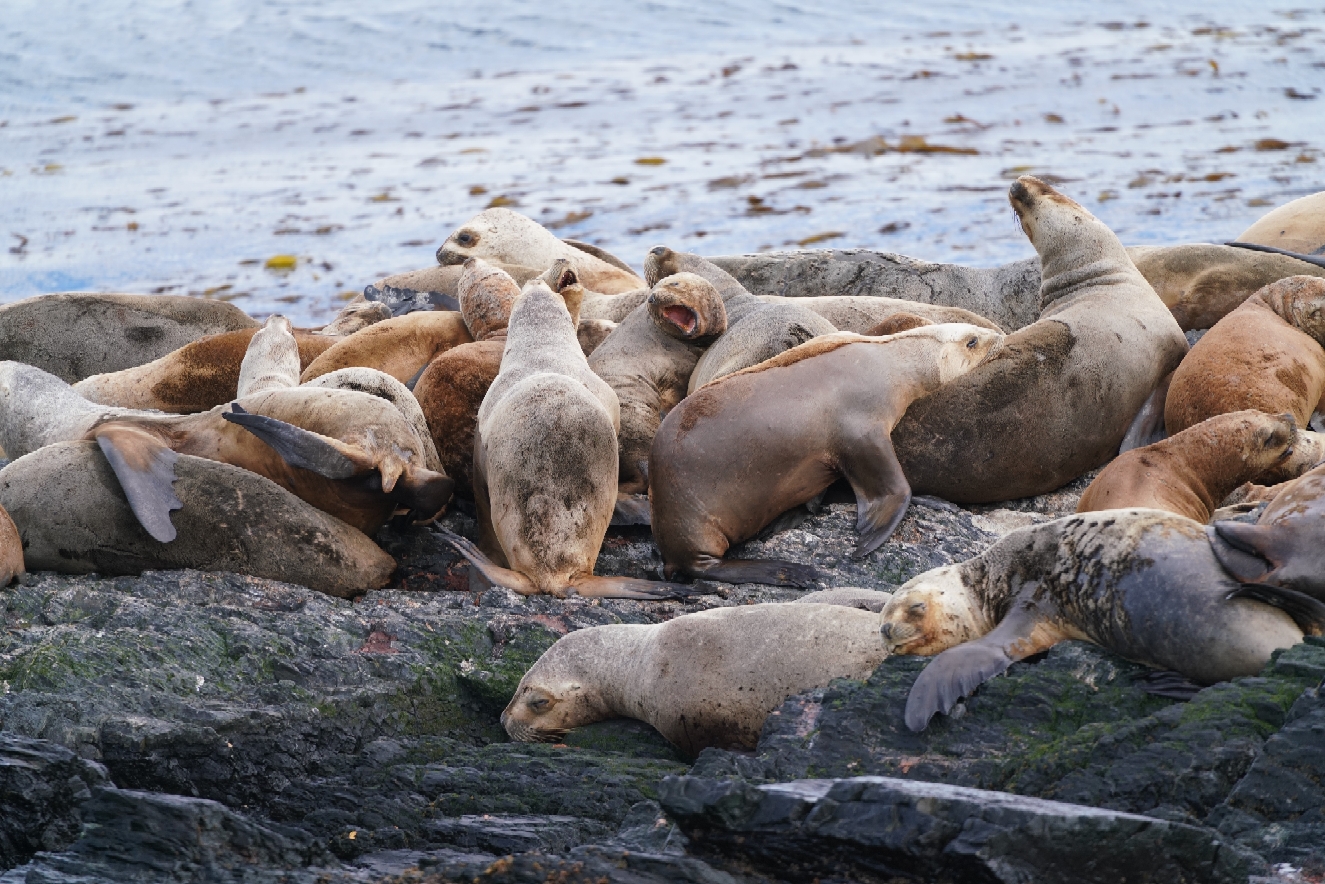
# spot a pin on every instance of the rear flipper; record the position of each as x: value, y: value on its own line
x: 630, y: 588
x: 632, y: 509
x: 958, y: 671
x: 1166, y: 683
x: 1307, y: 613
x: 302, y: 448
x: 1148, y: 426
x: 145, y: 467
x: 771, y: 572
x: 493, y: 573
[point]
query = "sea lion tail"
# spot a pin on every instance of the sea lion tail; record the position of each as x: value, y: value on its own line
x: 491, y: 571
x: 299, y: 447
x: 1307, y: 612
x: 145, y: 467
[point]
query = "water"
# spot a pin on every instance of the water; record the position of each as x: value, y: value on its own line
x: 178, y: 146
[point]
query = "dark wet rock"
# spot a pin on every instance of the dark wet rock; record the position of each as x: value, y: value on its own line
x: 42, y: 790
x: 883, y: 829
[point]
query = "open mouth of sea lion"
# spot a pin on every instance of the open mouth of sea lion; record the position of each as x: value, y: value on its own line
x: 682, y: 317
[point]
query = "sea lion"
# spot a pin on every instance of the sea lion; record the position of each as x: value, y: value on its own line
x: 898, y: 322
x: 1058, y: 396
x: 357, y: 314
x: 432, y: 288
x: 1266, y: 355
x: 703, y: 679
x: 196, y: 377
x: 1141, y: 583
x: 1298, y: 226
x: 383, y: 386
x: 592, y: 332
x: 545, y: 460
x: 73, y: 517
x: 1285, y: 547
x: 760, y: 335
x: 271, y: 360
x: 400, y: 346
x: 1192, y: 472
x: 738, y: 452
x: 11, y: 549
x: 78, y: 334
x: 647, y: 362
x: 850, y: 596
x: 504, y: 235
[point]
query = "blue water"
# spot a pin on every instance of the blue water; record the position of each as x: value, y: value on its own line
x: 176, y: 146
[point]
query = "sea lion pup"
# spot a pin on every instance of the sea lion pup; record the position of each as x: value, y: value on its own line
x: 1141, y: 583
x: 1286, y: 546
x: 1058, y: 396
x: 742, y: 450
x: 704, y: 679
x: 504, y: 235
x: 196, y: 377
x: 401, y: 346
x: 357, y: 314
x: 11, y: 549
x: 760, y: 335
x: 78, y: 334
x: 1202, y: 283
x: 73, y: 516
x: 1298, y: 226
x: 1265, y: 355
x: 647, y: 362
x: 545, y: 460
x: 1192, y: 472
x: 432, y: 288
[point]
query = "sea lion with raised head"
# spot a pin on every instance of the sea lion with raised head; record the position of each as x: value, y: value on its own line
x: 1266, y: 355
x: 1141, y: 583
x: 545, y: 460
x: 740, y: 451
x: 1059, y: 395
x: 703, y: 680
x: 1191, y: 473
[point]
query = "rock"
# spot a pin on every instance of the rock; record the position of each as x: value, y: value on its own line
x: 878, y: 828
x: 42, y: 790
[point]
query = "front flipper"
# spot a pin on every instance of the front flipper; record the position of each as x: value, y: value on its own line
x: 1245, y: 551
x: 632, y: 509
x: 493, y: 573
x: 1308, y: 613
x: 958, y: 671
x: 630, y: 588
x: 882, y: 492
x: 771, y: 572
x: 1167, y: 684
x: 146, y: 470
x: 301, y: 448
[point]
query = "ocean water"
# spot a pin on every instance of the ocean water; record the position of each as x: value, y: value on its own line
x: 157, y: 146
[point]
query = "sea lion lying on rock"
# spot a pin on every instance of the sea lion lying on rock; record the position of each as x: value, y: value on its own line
x: 740, y: 451
x: 1059, y: 395
x: 759, y: 335
x: 1141, y: 583
x: 74, y: 518
x: 78, y: 334
x: 704, y: 679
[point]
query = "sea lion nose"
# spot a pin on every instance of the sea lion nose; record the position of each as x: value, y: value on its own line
x: 887, y: 631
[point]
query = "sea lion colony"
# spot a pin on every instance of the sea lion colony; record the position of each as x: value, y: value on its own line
x: 558, y: 390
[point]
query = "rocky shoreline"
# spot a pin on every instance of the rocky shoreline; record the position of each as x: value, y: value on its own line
x: 212, y: 727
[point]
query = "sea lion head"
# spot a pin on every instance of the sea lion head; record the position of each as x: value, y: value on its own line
x: 687, y: 307
x: 500, y: 235
x: 1300, y: 300
x: 1074, y: 246
x: 660, y: 263
x: 486, y: 295
x: 963, y: 346
x: 563, y: 280
x: 359, y: 313
x: 932, y: 612
x: 559, y: 692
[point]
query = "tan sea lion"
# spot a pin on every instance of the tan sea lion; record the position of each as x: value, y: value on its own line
x: 11, y: 550
x: 898, y: 322
x: 1058, y: 396
x: 196, y: 377
x: 851, y: 596
x: 740, y: 451
x: 78, y: 334
x: 1298, y: 227
x: 73, y: 517
x: 704, y: 679
x: 401, y: 346
x: 545, y: 460
x: 760, y: 335
x: 1141, y: 583
x: 383, y: 386
x: 1266, y: 355
x: 860, y: 313
x: 357, y: 314
x: 1192, y: 472
x: 592, y: 332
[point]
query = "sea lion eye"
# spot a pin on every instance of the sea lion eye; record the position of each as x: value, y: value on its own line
x: 970, y: 345
x: 538, y: 704
x: 916, y: 608
x: 466, y: 238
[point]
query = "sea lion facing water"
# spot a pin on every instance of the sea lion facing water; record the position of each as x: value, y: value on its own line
x: 1143, y: 584
x: 704, y: 679
x: 1058, y: 396
x: 740, y: 451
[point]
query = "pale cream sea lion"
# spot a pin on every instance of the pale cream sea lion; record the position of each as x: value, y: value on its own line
x: 703, y: 680
x: 1298, y: 227
x: 1058, y: 396
x: 383, y: 386
x: 1141, y: 583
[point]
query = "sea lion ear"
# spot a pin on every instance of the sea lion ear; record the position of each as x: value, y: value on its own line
x: 298, y: 447
x: 145, y: 467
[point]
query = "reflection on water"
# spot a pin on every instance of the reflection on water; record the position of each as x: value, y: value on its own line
x: 160, y: 146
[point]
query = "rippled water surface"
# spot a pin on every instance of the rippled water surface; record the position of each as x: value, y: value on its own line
x: 157, y: 146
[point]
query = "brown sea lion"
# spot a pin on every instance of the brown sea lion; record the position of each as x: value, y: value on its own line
x: 196, y: 377
x: 400, y: 346
x: 1192, y: 472
x: 1058, y: 396
x: 75, y: 335
x: 1298, y: 226
x: 703, y: 680
x: 1141, y: 583
x: 740, y: 451
x: 545, y: 460
x: 74, y: 518
x: 1265, y: 355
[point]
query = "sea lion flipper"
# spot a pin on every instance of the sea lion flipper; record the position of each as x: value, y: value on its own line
x: 882, y: 492
x: 631, y: 509
x: 1245, y: 551
x: 299, y: 447
x: 492, y: 572
x: 771, y: 572
x: 1147, y: 427
x: 1307, y: 612
x: 145, y: 467
x: 630, y: 588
